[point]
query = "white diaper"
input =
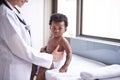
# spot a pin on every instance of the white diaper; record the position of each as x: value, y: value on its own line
x: 57, y: 64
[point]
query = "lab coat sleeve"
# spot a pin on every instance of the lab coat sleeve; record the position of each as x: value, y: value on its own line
x: 18, y: 46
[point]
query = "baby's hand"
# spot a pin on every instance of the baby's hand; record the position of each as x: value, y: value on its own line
x: 63, y: 69
x: 43, y: 49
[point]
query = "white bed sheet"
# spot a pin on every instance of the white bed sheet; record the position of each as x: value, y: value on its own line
x: 77, y: 65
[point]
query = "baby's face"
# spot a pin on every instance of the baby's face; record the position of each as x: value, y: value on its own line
x: 57, y: 28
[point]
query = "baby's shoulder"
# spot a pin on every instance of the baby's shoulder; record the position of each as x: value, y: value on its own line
x: 64, y: 40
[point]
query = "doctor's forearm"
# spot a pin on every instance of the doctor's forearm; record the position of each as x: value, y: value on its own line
x: 21, y: 50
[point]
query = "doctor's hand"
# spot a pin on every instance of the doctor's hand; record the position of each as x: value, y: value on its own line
x: 57, y: 55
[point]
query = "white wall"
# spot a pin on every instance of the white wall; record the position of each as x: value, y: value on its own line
x: 33, y: 14
x: 47, y: 14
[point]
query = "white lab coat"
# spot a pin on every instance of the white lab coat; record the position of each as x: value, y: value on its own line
x: 16, y: 54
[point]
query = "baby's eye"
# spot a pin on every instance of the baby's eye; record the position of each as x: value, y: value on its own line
x: 53, y: 28
x: 60, y: 28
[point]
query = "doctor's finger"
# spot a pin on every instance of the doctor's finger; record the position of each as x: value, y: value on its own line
x: 56, y: 49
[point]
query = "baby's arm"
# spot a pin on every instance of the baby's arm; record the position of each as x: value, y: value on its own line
x: 68, y: 50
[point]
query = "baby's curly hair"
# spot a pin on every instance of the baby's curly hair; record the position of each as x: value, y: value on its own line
x: 58, y: 17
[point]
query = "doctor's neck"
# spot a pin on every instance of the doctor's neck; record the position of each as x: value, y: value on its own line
x: 12, y: 2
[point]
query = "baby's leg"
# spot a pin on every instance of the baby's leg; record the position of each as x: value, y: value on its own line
x: 41, y: 73
x: 34, y: 70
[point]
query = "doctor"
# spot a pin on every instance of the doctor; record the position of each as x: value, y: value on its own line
x: 16, y: 53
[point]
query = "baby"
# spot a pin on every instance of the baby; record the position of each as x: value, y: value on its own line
x: 58, y: 25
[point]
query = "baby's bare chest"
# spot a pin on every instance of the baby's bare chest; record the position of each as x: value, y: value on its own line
x: 52, y: 44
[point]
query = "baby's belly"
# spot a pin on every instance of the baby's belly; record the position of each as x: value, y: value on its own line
x: 61, y: 57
